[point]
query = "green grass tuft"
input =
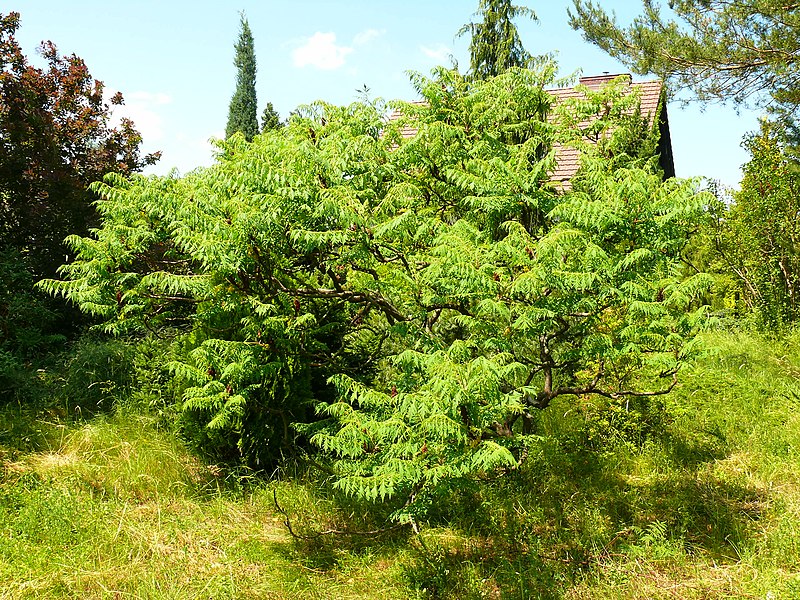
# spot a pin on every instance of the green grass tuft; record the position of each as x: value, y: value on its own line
x: 115, y: 507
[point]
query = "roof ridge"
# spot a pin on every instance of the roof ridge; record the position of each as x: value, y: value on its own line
x: 567, y: 157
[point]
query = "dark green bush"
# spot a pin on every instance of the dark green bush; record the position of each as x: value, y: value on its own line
x: 28, y: 321
x: 98, y: 373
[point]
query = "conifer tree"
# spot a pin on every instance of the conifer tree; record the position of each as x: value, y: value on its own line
x: 720, y: 50
x: 243, y: 107
x: 495, y: 45
x: 270, y: 119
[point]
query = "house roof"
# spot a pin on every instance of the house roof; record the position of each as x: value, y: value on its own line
x: 567, y: 157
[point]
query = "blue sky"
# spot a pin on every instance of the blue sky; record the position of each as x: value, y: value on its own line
x: 173, y: 61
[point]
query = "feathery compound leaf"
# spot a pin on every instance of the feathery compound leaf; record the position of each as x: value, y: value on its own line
x: 405, y: 303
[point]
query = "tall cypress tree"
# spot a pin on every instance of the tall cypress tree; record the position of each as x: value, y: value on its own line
x: 495, y: 45
x: 242, y: 110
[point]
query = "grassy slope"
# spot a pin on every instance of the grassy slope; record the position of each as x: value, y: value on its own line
x: 719, y: 493
x: 114, y: 508
x: 705, y: 504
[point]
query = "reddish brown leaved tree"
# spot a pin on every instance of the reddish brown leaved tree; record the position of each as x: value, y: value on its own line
x: 55, y: 139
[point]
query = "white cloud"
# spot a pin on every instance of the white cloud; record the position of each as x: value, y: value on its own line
x: 143, y: 108
x: 321, y: 51
x: 439, y: 53
x: 158, y: 98
x: 366, y: 36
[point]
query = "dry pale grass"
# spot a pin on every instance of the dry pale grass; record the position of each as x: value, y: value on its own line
x: 136, y: 516
x: 663, y: 580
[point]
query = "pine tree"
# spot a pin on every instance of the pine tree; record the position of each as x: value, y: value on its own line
x: 243, y: 107
x: 270, y: 119
x: 720, y: 50
x: 495, y: 45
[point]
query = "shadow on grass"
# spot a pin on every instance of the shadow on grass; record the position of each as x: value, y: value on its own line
x: 583, y: 498
x: 69, y: 389
x: 564, y: 514
x: 29, y: 428
x: 330, y: 528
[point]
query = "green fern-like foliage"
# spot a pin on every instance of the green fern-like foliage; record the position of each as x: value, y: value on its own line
x: 441, y: 285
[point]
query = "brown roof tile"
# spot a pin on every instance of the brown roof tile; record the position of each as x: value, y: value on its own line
x: 567, y: 157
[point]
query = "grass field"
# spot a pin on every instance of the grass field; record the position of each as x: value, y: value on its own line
x: 698, y: 498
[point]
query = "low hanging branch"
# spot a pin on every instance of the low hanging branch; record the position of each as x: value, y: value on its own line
x: 354, y: 297
x: 318, y: 534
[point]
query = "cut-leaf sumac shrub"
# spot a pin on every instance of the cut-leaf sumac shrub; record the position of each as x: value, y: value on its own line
x: 424, y: 295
